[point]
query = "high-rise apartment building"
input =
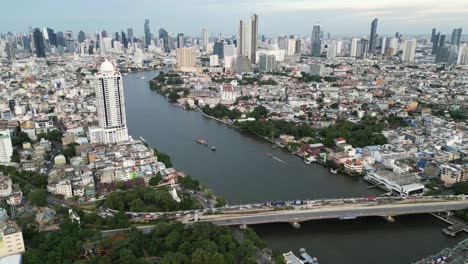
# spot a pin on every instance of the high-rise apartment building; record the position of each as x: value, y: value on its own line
x: 6, y: 147
x: 362, y: 48
x: 218, y: 49
x: 435, y: 43
x: 373, y: 35
x: 267, y: 63
x: 205, y: 39
x: 409, y: 50
x: 253, y: 37
x: 316, y: 43
x: 463, y: 55
x: 353, y: 47
x: 186, y: 57
x: 110, y: 105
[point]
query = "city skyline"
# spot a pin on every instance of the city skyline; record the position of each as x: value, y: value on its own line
x: 338, y: 17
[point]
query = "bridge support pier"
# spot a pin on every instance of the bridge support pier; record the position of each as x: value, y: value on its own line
x: 389, y: 219
x: 243, y: 226
x: 295, y: 225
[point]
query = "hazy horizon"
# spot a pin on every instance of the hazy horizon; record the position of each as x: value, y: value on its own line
x: 276, y: 17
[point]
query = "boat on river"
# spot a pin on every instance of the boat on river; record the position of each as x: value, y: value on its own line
x: 202, y: 142
x: 213, y: 148
x: 333, y: 171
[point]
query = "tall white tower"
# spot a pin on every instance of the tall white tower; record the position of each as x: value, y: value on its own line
x: 110, y: 105
x: 205, y: 39
x: 409, y: 49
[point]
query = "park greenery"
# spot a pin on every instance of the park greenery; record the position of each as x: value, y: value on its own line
x: 53, y: 136
x: 367, y: 133
x: 274, y: 128
x: 221, y: 111
x: 189, y: 183
x: 147, y: 199
x: 19, y: 139
x: 170, y: 243
x: 164, y: 158
x: 27, y: 180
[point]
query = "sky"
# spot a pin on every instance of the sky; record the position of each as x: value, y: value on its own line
x: 276, y: 17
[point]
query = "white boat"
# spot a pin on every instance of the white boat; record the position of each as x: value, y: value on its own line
x: 143, y: 77
x: 333, y: 171
x: 309, y: 160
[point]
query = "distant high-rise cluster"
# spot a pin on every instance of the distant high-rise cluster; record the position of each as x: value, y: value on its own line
x: 247, y: 41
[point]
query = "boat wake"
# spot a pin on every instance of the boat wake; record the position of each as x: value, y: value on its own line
x: 280, y: 160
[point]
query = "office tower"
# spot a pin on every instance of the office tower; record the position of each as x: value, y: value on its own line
x: 362, y: 48
x: 60, y: 39
x: 383, y: 45
x: 180, y: 40
x: 267, y: 63
x: 353, y: 47
x: 130, y: 33
x: 26, y: 43
x: 298, y: 46
x: 442, y: 40
x: 68, y: 34
x: 91, y: 48
x: 164, y: 36
x: 409, y: 49
x: 147, y: 33
x: 316, y: 43
x: 52, y: 37
x: 435, y: 43
x: 81, y: 36
x: 110, y: 105
x: 10, y: 50
x: 373, y: 35
x: 186, y: 57
x: 218, y: 49
x: 253, y: 37
x: 124, y: 39
x: 331, y: 51
x: 172, y: 43
x: 70, y: 45
x: 463, y: 55
x: 447, y: 54
x: 243, y: 64
x: 393, y: 46
x: 6, y: 147
x: 456, y: 36
x: 39, y: 43
x: 291, y: 50
x: 104, y: 34
x: 116, y: 36
x: 433, y: 35
x: 205, y: 40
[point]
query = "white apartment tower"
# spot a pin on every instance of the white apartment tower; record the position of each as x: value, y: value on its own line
x: 205, y: 39
x: 353, y: 47
x: 110, y: 105
x: 409, y: 49
x: 6, y: 148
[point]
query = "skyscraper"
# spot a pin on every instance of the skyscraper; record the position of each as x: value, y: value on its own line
x: 110, y: 105
x: 316, y: 43
x: 456, y: 36
x: 130, y: 33
x: 39, y: 43
x: 124, y: 40
x: 205, y: 39
x: 435, y: 43
x: 373, y: 35
x: 409, y: 49
x: 147, y: 33
x: 243, y: 39
x: 52, y: 37
x: 253, y: 37
x: 186, y: 58
x: 60, y: 39
x: 362, y: 48
x: 81, y: 36
x: 353, y: 47
x: 463, y: 55
x: 165, y: 39
x: 180, y: 40
x: 267, y: 63
x: 433, y: 35
x: 218, y: 49
x: 442, y: 41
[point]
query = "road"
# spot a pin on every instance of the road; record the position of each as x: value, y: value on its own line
x: 331, y: 212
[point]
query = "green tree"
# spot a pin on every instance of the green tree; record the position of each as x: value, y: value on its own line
x: 220, y: 201
x: 19, y: 139
x: 155, y: 180
x: 38, y: 197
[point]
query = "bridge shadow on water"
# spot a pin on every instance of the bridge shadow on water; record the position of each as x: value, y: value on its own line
x: 366, y: 240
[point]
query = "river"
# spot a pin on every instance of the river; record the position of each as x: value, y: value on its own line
x: 242, y: 171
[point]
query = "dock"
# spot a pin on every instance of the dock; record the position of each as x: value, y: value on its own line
x: 456, y: 225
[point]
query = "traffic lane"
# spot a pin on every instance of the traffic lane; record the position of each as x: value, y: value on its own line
x: 305, y: 216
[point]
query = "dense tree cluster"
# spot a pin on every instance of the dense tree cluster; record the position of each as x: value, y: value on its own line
x: 259, y: 112
x: 275, y: 128
x: 54, y: 136
x: 27, y: 180
x: 221, y: 111
x: 201, y: 243
x: 147, y: 199
x: 69, y: 151
x: 20, y: 138
x: 164, y: 158
x: 395, y: 121
x: 367, y: 133
x: 188, y: 182
x: 305, y: 77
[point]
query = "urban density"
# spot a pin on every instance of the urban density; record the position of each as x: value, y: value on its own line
x: 79, y: 183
